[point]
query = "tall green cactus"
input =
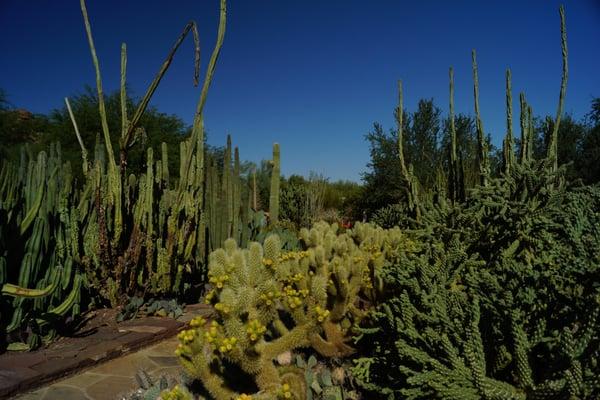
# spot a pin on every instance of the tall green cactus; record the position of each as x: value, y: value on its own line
x: 524, y: 123
x: 412, y: 182
x: 166, y: 232
x: 482, y: 143
x: 236, y: 195
x: 275, y: 182
x: 508, y: 155
x: 38, y: 236
x: 552, y: 152
x: 455, y: 183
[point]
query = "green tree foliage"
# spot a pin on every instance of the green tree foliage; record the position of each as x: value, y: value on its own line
x: 157, y: 127
x: 589, y: 163
x: 383, y: 182
x: 422, y: 139
x: 425, y: 149
x: 19, y: 127
x: 466, y: 137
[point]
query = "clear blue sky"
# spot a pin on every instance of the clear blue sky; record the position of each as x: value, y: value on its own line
x: 312, y: 75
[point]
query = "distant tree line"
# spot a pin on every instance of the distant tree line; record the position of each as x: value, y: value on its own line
x: 303, y: 198
x: 37, y: 131
x: 427, y: 143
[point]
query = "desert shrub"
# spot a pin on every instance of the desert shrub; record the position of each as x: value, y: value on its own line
x: 501, y: 301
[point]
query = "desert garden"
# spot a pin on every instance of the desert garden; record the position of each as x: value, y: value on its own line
x: 474, y: 277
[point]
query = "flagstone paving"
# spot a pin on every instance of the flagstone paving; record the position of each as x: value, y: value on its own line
x: 96, y: 373
x: 113, y: 379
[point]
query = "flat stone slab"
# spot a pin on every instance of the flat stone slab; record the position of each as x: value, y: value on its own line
x: 24, y: 371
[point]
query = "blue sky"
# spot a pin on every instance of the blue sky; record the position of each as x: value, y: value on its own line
x: 312, y: 75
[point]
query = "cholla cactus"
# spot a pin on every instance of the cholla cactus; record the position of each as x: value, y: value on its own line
x: 269, y: 302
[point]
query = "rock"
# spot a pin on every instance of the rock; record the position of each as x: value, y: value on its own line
x: 285, y: 358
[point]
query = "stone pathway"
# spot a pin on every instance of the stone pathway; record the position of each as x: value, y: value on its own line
x: 101, y: 365
x: 114, y: 378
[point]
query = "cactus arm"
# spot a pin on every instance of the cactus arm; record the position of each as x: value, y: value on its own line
x: 199, y: 368
x: 553, y: 145
x: 84, y: 152
x: 9, y: 289
x: 198, y: 117
x: 101, y: 105
x: 127, y: 138
x: 400, y: 118
x: 482, y: 148
x: 523, y: 125
x: 508, y: 152
x: 66, y: 305
x: 124, y: 120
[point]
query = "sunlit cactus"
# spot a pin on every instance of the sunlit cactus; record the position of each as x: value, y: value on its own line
x: 270, y: 301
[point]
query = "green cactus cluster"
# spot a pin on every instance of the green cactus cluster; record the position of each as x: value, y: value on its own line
x: 270, y: 301
x: 451, y: 186
x: 119, y: 233
x: 171, y: 227
x: 500, y: 301
x: 39, y: 220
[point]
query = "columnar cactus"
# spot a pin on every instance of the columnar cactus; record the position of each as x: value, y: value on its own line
x: 552, y: 152
x: 412, y: 183
x: 275, y: 181
x: 166, y: 234
x: 482, y: 144
x: 507, y: 144
x: 39, y: 237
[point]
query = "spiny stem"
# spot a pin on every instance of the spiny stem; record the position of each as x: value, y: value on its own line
x: 481, y: 140
x: 83, y: 149
x: 196, y: 128
x: 523, y: 123
x: 553, y: 146
x: 400, y: 118
x: 101, y: 106
x: 161, y: 72
x: 124, y: 121
x: 508, y: 142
